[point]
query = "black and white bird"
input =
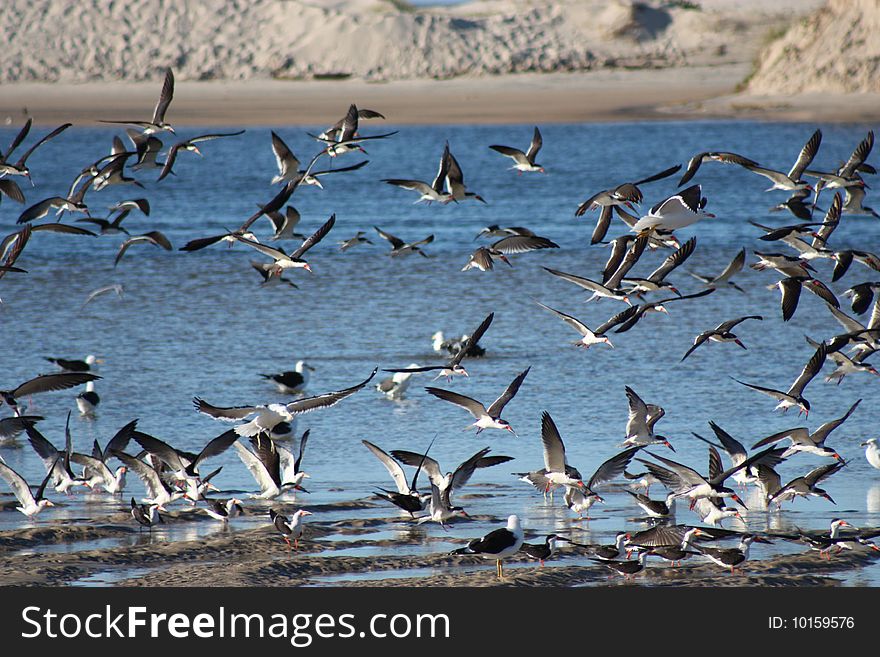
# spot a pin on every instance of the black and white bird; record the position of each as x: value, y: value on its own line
x: 157, y: 123
x: 791, y: 292
x: 712, y: 156
x: 146, y: 515
x: 396, y: 385
x: 589, y: 337
x: 806, y: 485
x: 96, y: 471
x: 482, y: 258
x: 524, y: 161
x: 640, y: 422
x: 345, y: 138
x: 291, y: 382
x: 399, y: 247
x: 223, y: 510
x: 359, y: 238
x: 87, y: 401
x: 74, y: 365
x: 266, y: 417
x: 628, y: 569
x: 657, y: 279
x: 290, y: 527
x: 274, y: 467
x: 498, y: 544
x: 289, y: 171
x: 455, y: 180
x: 158, y: 490
x: 486, y: 418
x: 294, y: 260
x: 541, y: 551
x: 802, y: 440
x: 189, y: 145
x: 731, y: 557
x: 792, y: 181
x: 154, y: 237
x: 721, y: 333
x: 428, y: 193
x: 794, y: 396
x: 450, y: 481
x: 677, y: 211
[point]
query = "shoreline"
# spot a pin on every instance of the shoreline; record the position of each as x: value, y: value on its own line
x: 690, y: 93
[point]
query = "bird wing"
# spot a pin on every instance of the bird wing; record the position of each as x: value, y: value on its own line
x: 226, y: 413
x: 496, y: 407
x: 724, y: 327
x: 811, y: 369
x: 284, y: 157
x: 465, y: 471
x: 573, y: 322
x: 699, y: 340
x: 731, y: 445
x: 515, y: 153
x: 808, y: 152
x: 733, y: 268
x: 817, y: 475
x: 472, y: 406
x: 214, y: 448
x: 161, y: 450
x: 671, y: 262
x: 637, y: 421
x: 20, y: 137
x: 328, y: 398
x: 297, y: 465
x: 791, y: 293
x: 57, y: 131
x: 51, y: 382
x: 692, y: 168
x: 659, y: 176
x: 472, y: 340
x: 819, y: 436
x: 19, y: 485
x: 859, y: 155
x: 396, y: 242
x: 535, y: 146
x: 164, y: 97
x: 612, y: 468
x: 554, y: 449
x: 392, y: 466
x: 152, y: 481
x: 255, y: 467
x: 429, y: 465
x: 315, y: 237
x: 632, y: 256
x: 523, y: 243
x: 585, y: 283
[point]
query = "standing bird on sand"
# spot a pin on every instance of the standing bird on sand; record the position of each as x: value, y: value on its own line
x: 292, y: 528
x: 487, y: 418
x: 88, y: 400
x: 497, y: 544
x: 524, y: 161
x: 146, y: 515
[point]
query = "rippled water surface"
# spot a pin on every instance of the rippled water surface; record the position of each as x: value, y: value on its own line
x: 199, y: 324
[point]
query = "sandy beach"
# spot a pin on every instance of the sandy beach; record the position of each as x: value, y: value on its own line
x: 37, y: 556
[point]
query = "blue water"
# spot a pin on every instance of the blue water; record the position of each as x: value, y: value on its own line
x: 198, y: 324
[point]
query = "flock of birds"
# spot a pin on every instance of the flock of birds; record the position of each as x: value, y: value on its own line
x: 260, y: 431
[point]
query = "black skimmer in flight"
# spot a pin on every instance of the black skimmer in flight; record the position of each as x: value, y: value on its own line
x: 334, y: 131
x: 845, y: 365
x: 713, y: 156
x: 184, y: 466
x: 290, y: 528
x: 657, y: 279
x: 541, y: 551
x: 288, y: 166
x: 270, y: 278
x: 451, y: 481
x: 580, y: 498
x: 852, y: 203
x: 284, y: 224
x: 626, y: 319
x: 872, y: 452
x: 687, y: 482
x: 359, y: 238
x: 441, y: 509
x: 607, y: 200
x: 19, y: 167
x: 154, y: 237
x: 428, y: 193
x: 538, y: 479
x: 802, y: 440
x: 267, y: 417
x: 101, y: 291
x: 790, y: 266
x: 524, y: 161
x: 487, y: 418
x: 454, y: 365
x: 11, y: 189
x: 146, y: 515
x: 792, y: 181
x: 12, y: 427
x: 731, y: 557
x: 497, y: 231
x: 106, y: 226
x: 721, y: 333
x: 295, y: 259
x: 497, y: 544
x: 407, y: 496
x: 640, y: 422
x: 74, y: 365
x: 190, y: 146
x: 512, y: 244
x: 158, y: 491
x: 291, y: 382
x: 30, y: 503
x: 807, y: 485
x: 273, y: 467
x: 794, y: 396
x: 678, y: 211
x: 74, y: 202
x: 56, y: 462
x: 45, y: 383
x: 862, y: 296
x: 798, y: 204
x: 738, y: 453
x: 399, y: 247
x: 609, y: 288
x: 455, y: 180
x: 157, y: 123
x: 845, y: 258
x: 589, y: 337
x: 96, y: 472
x: 346, y: 138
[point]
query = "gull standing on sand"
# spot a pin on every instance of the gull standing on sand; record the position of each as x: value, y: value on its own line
x: 497, y: 544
